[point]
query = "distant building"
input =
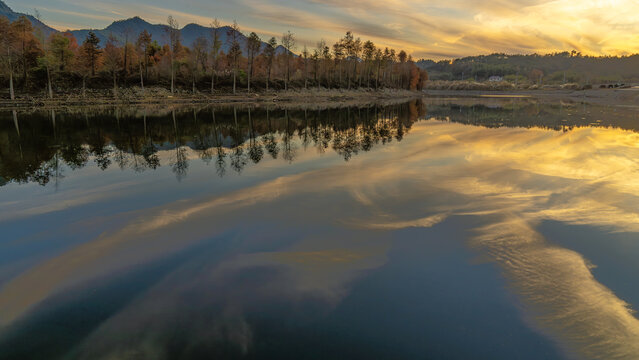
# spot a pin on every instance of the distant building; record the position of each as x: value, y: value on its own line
x: 495, y: 78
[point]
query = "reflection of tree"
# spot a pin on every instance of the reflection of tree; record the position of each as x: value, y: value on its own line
x: 98, y: 147
x: 270, y: 143
x: 181, y: 163
x: 255, y: 148
x: 149, y: 153
x: 288, y: 148
x: 37, y: 150
x: 149, y: 150
x: 75, y: 156
x: 220, y: 160
x: 202, y: 143
x: 238, y: 159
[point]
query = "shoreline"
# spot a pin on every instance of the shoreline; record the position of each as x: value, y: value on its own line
x: 159, y: 96
x: 317, y: 98
x: 607, y: 97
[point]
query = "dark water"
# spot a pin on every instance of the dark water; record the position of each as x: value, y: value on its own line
x: 439, y: 229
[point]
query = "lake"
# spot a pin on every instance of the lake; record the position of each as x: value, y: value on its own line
x: 457, y: 228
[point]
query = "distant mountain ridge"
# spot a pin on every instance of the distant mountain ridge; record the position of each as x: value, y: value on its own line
x: 13, y: 16
x: 134, y: 26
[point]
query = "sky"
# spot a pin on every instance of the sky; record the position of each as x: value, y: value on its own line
x: 432, y: 29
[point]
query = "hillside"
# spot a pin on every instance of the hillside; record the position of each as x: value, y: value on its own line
x: 135, y: 25
x: 12, y: 16
x: 571, y: 67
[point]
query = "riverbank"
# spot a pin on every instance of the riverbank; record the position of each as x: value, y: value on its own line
x: 161, y: 96
x: 312, y: 98
x: 613, y: 97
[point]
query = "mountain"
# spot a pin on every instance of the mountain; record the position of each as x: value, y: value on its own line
x: 13, y: 16
x: 135, y: 25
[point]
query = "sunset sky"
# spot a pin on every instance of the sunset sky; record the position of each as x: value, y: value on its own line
x: 425, y: 28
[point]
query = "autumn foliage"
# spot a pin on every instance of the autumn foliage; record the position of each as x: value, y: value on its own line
x: 61, y: 62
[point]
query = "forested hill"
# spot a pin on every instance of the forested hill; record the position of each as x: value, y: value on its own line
x: 551, y: 68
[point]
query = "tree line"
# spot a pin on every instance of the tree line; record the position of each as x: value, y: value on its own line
x: 61, y: 62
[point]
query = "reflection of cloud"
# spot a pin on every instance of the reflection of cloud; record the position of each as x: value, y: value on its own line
x: 426, y: 222
x: 509, y: 178
x: 227, y: 295
x: 76, y: 197
x: 97, y: 256
x: 559, y: 289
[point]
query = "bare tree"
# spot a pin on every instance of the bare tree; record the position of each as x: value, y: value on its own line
x: 216, y: 45
x: 127, y: 35
x: 253, y: 45
x: 235, y: 50
x: 173, y: 31
x: 143, y: 43
x: 198, y: 58
x: 269, y: 53
x: 40, y: 35
x: 305, y: 58
x: 288, y: 41
x: 7, y: 50
x: 112, y: 61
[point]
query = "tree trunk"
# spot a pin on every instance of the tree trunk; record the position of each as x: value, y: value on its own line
x: 268, y: 77
x: 126, y: 58
x: 212, y: 81
x: 288, y: 71
x: 234, y: 78
x: 172, y: 76
x: 115, y: 86
x: 146, y: 63
x: 141, y: 78
x: 250, y: 69
x: 17, y: 125
x: 193, y: 84
x: 84, y: 87
x: 49, y: 83
x: 11, y: 92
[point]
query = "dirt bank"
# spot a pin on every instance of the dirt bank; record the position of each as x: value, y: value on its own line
x: 160, y: 96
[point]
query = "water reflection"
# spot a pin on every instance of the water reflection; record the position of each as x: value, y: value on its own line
x: 245, y: 272
x: 235, y: 138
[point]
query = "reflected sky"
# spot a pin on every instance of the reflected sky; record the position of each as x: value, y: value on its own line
x: 392, y: 231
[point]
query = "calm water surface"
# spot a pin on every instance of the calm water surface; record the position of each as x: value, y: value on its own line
x: 439, y: 229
